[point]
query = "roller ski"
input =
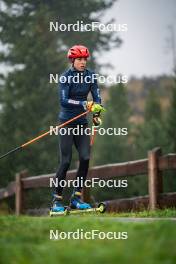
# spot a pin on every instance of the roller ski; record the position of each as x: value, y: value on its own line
x: 77, y: 206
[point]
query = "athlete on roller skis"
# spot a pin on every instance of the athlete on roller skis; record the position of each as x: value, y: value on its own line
x: 73, y: 101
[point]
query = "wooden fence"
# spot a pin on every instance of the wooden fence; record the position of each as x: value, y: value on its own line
x: 152, y: 166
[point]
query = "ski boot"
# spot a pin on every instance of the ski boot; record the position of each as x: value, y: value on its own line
x: 77, y: 203
x: 57, y: 206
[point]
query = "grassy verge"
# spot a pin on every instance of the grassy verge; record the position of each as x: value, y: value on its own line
x: 27, y: 240
x: 168, y: 212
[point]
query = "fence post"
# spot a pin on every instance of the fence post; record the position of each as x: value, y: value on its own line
x: 155, y: 184
x: 19, y: 195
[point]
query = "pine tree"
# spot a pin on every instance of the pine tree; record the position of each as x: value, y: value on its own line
x: 29, y: 104
x: 114, y: 148
x: 152, y: 132
x: 171, y: 121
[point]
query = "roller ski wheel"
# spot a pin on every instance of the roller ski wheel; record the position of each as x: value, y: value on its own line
x: 101, y: 207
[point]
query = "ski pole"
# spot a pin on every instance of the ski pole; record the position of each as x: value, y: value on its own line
x: 93, y: 137
x: 95, y: 130
x: 44, y: 134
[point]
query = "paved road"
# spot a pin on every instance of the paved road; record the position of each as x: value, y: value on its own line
x: 138, y: 219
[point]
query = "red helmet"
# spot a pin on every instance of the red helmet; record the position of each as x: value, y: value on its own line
x: 78, y: 51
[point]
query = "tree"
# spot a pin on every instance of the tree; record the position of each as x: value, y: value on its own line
x: 152, y: 132
x: 171, y: 121
x: 29, y: 103
x: 114, y: 148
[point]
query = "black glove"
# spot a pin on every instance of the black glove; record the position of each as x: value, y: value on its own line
x: 96, y: 119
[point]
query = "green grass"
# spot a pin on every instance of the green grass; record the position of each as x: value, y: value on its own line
x: 168, y: 212
x: 26, y: 240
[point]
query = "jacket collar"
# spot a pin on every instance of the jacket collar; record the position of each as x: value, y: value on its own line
x: 75, y: 70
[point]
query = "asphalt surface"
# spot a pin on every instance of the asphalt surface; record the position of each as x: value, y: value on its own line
x: 138, y: 219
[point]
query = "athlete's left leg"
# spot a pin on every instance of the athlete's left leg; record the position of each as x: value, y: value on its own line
x: 82, y: 143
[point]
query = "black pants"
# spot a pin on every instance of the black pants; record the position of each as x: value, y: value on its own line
x: 82, y: 144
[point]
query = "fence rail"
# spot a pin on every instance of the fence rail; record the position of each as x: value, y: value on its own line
x: 152, y: 166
